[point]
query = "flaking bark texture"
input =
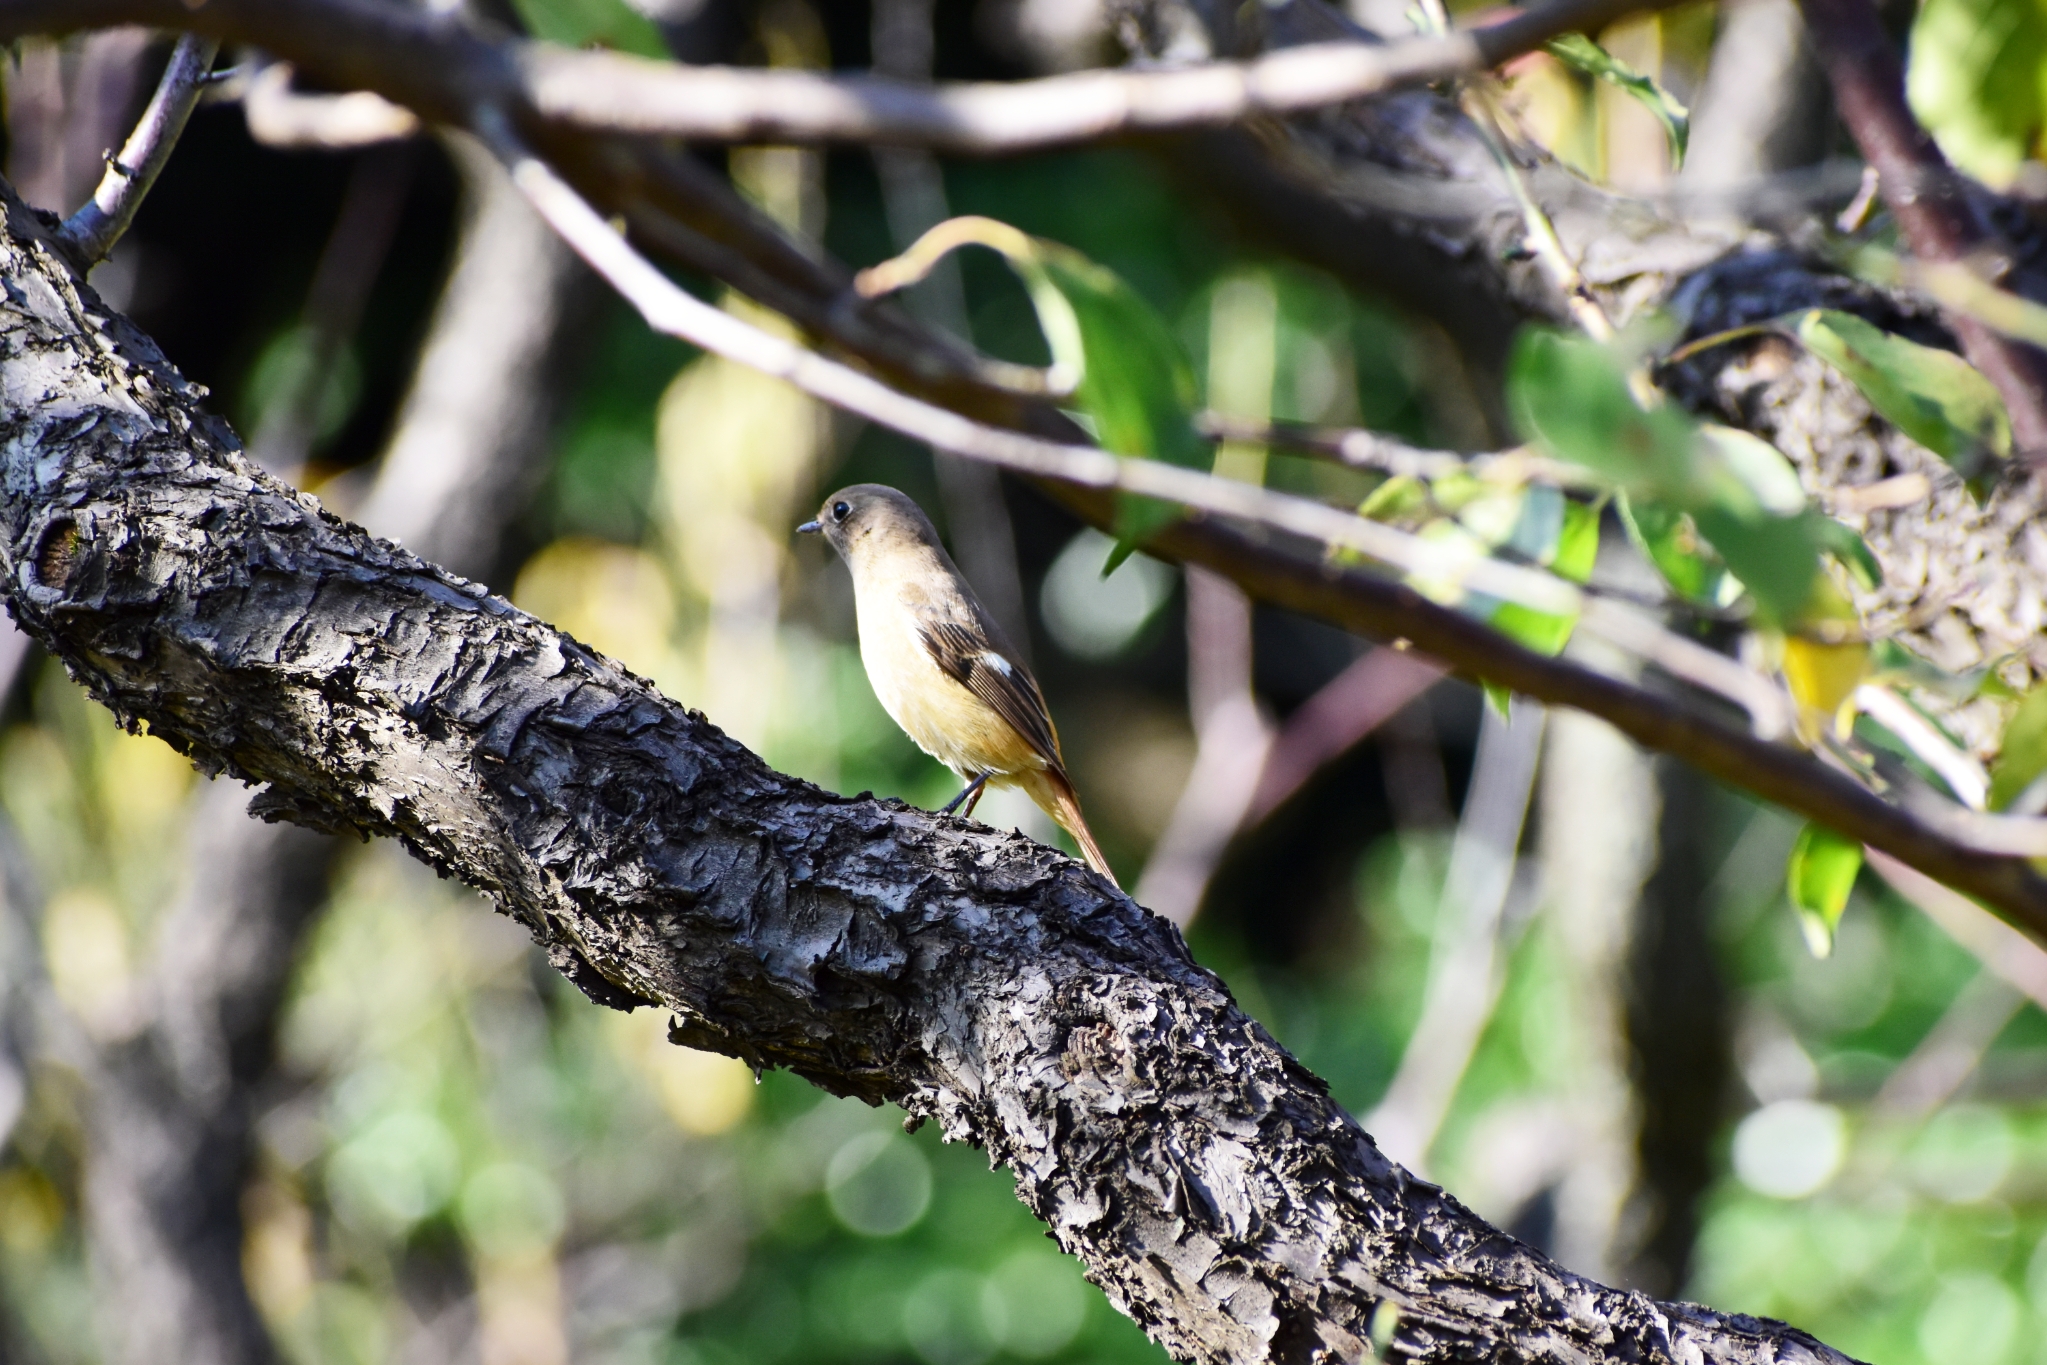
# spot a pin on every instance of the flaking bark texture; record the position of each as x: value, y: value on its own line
x: 1205, y: 1179
x: 171, y: 1103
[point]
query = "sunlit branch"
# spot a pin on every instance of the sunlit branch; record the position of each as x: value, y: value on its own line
x: 611, y: 92
x: 279, y: 116
x: 1361, y: 449
x: 90, y: 233
x: 669, y: 308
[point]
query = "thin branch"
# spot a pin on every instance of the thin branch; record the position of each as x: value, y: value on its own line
x: 1452, y: 567
x: 1922, y: 192
x: 279, y: 116
x: 1464, y: 971
x: 612, y: 92
x: 1963, y: 774
x: 729, y: 105
x: 90, y: 233
x: 1360, y: 449
x: 1772, y: 771
x: 1959, y: 287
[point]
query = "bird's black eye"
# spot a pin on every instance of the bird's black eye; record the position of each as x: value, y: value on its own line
x: 841, y: 510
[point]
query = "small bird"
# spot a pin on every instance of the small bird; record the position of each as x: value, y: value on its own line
x: 939, y: 663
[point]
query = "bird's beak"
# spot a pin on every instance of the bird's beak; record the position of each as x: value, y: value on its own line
x: 808, y: 528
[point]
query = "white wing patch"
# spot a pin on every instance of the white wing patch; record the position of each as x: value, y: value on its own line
x: 996, y: 662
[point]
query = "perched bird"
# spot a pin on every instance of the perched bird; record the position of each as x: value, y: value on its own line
x: 940, y: 664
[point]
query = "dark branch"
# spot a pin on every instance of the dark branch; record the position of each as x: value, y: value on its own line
x: 1205, y: 1179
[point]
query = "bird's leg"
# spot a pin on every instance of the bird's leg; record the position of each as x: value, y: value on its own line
x: 978, y: 790
x: 971, y: 794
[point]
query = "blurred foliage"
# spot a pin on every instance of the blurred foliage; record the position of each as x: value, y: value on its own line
x: 455, y: 1139
x: 1978, y: 81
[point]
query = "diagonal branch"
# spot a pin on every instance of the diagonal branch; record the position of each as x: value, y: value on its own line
x: 90, y: 233
x: 1354, y: 598
x: 1204, y: 1178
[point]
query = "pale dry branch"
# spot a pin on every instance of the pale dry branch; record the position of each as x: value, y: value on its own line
x: 90, y: 233
x: 279, y: 116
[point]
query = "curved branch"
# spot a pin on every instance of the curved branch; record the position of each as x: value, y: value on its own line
x: 1924, y: 193
x: 613, y: 92
x: 1205, y: 1179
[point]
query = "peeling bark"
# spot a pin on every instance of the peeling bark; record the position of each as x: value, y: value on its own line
x: 171, y: 1104
x: 1205, y: 1179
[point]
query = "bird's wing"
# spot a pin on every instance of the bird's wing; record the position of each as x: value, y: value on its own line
x: 966, y: 655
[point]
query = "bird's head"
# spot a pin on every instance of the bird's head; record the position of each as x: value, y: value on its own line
x: 867, y: 516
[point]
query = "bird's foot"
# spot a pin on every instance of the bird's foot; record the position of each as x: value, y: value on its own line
x: 971, y: 794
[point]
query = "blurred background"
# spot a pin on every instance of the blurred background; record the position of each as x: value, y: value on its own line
x: 1553, y: 974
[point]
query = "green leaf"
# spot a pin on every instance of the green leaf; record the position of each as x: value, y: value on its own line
x: 1819, y: 877
x: 1978, y: 81
x: 1578, y: 51
x: 1934, y: 396
x: 593, y: 23
x: 1843, y: 543
x: 1764, y: 475
x: 1671, y: 541
x: 2023, y: 755
x: 1775, y: 558
x: 1133, y: 379
x: 1571, y: 555
x: 1570, y: 396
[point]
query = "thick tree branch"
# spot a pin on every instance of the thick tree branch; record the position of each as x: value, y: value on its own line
x: 1204, y: 1178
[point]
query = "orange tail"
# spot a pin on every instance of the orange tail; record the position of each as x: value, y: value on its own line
x: 1055, y: 796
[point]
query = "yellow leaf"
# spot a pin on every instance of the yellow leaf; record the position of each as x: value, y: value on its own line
x: 1823, y: 678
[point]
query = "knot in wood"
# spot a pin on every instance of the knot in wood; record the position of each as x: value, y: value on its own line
x: 56, y: 554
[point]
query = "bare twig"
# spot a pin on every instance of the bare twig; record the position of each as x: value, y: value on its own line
x: 669, y: 308
x: 1360, y: 449
x: 279, y: 116
x: 1922, y: 192
x: 1963, y: 774
x: 611, y: 92
x: 2004, y: 950
x: 740, y: 106
x: 90, y: 233
x: 1464, y: 969
x: 1959, y: 287
x: 1350, y: 706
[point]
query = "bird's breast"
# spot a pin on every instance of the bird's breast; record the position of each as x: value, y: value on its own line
x: 939, y: 714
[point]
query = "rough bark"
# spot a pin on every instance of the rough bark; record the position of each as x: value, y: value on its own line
x: 171, y: 1105
x: 1205, y: 1179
